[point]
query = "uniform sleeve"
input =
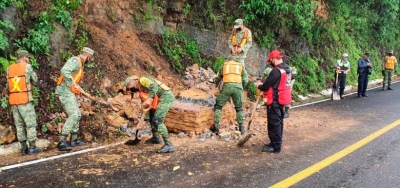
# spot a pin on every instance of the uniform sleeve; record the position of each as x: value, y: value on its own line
x: 32, y: 75
x: 249, y: 42
x: 69, y: 69
x: 150, y: 85
x: 245, y: 77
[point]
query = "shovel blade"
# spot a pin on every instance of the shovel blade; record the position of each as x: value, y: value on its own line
x: 132, y: 142
x: 243, y: 140
x: 335, y: 95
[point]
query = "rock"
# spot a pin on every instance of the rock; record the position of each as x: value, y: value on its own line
x: 205, y: 73
x: 111, y: 129
x: 117, y: 87
x: 225, y: 136
x: 87, y: 137
x: 211, y: 73
x: 7, y: 135
x: 52, y: 127
x: 115, y: 120
x: 203, y: 86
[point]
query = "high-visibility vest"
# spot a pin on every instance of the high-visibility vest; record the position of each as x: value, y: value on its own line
x: 283, y: 93
x: 244, y: 38
x: 144, y: 96
x: 232, y: 72
x: 390, y: 61
x: 18, y: 88
x: 76, y: 77
x: 343, y: 66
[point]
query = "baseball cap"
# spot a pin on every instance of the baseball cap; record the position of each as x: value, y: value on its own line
x: 238, y: 22
x: 274, y: 54
x: 130, y: 78
x: 22, y: 53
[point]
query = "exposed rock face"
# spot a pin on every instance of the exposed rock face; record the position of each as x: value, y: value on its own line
x: 11, y: 14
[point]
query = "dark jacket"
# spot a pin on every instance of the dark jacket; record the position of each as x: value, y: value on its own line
x: 273, y: 79
x: 363, y: 68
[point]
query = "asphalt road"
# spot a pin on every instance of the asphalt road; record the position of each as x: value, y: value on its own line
x: 377, y: 164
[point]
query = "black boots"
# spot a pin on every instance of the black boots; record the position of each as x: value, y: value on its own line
x: 271, y: 148
x: 24, y: 148
x: 241, y: 129
x: 153, y: 140
x: 77, y: 142
x: 31, y: 150
x: 63, y: 146
x: 215, y: 128
x: 167, y: 147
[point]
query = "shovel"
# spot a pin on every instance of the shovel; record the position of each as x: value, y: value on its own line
x: 335, y: 92
x: 105, y: 104
x: 246, y: 138
x: 138, y: 136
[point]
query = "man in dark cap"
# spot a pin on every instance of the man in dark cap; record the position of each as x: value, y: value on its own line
x: 363, y: 70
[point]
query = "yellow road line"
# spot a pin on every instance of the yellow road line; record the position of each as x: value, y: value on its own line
x: 333, y: 158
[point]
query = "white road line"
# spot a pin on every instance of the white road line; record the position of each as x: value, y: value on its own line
x: 56, y: 157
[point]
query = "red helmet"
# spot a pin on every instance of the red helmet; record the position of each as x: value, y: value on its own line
x: 274, y: 54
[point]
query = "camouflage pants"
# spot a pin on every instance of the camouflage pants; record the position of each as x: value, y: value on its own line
x: 25, y: 121
x: 387, y: 75
x: 157, y: 116
x: 71, y: 107
x: 227, y: 92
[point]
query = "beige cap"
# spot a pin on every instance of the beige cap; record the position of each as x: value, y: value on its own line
x: 22, y: 53
x: 129, y: 79
x: 345, y: 55
x: 238, y: 22
x: 88, y: 50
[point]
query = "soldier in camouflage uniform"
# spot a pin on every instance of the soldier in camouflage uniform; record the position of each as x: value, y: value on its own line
x: 67, y: 89
x: 234, y: 78
x: 19, y: 78
x: 240, y: 41
x: 159, y: 97
x: 268, y: 70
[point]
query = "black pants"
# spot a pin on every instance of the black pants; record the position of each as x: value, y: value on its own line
x: 275, y: 125
x: 342, y: 83
x: 362, y: 83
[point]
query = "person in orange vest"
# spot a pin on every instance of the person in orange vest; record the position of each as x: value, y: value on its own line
x: 240, y: 41
x: 159, y: 98
x: 388, y: 67
x: 20, y: 77
x: 67, y: 90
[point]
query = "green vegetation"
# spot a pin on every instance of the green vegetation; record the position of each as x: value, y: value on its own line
x: 181, y: 50
x: 4, y: 102
x: 3, y: 39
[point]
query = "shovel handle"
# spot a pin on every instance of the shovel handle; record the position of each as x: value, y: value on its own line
x: 254, y: 108
x: 145, y: 110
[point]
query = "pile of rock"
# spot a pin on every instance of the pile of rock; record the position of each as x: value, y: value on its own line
x: 199, y: 78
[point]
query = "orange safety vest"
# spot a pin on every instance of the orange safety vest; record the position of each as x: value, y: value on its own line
x: 17, y: 84
x: 232, y: 72
x: 144, y: 96
x: 244, y: 38
x: 76, y: 77
x: 390, y: 61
